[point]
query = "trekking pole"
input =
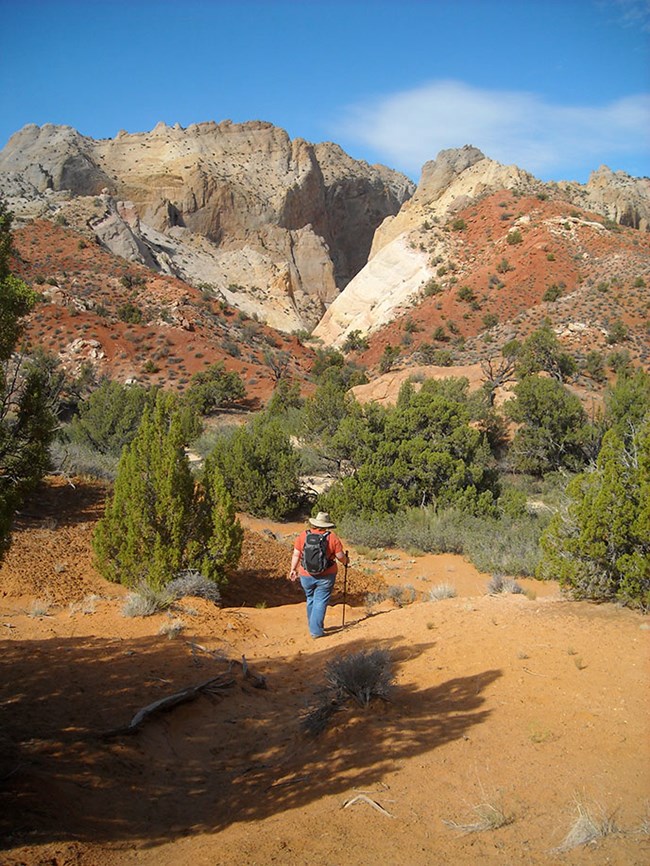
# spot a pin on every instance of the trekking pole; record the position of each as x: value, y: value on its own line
x: 345, y: 587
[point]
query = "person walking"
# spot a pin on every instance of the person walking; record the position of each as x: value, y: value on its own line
x: 316, y: 554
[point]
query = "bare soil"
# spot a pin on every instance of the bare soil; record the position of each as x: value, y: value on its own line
x: 529, y: 705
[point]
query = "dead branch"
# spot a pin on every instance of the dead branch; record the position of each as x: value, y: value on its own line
x: 361, y: 798
x: 211, y: 686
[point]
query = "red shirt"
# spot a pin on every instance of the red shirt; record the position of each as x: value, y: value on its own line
x: 334, y: 546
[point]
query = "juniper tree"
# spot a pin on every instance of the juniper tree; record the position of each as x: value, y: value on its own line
x: 261, y: 468
x: 158, y: 521
x: 599, y: 546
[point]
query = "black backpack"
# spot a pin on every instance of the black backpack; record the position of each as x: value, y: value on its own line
x: 314, y: 554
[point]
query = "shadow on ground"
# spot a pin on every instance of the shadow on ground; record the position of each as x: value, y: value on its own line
x: 239, y: 756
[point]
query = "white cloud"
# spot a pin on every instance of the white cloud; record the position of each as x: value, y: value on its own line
x: 411, y: 127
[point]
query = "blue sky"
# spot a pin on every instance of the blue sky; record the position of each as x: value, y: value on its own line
x: 558, y: 87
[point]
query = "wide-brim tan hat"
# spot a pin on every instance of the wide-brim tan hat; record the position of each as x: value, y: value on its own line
x: 322, y: 521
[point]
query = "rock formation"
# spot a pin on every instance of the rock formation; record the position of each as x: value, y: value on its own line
x: 275, y: 226
x: 401, y: 263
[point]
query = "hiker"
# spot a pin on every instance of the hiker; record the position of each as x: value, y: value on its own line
x: 316, y: 554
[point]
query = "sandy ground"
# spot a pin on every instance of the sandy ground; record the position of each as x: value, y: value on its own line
x: 525, y: 708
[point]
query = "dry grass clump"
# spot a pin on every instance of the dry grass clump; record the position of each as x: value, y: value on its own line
x: 87, y: 605
x: 442, y: 590
x: 489, y: 817
x: 500, y: 584
x: 359, y: 676
x: 39, y: 607
x: 588, y: 827
x: 172, y: 628
x: 193, y: 583
x: 145, y: 601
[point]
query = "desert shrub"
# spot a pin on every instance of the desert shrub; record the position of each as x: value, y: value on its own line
x: 172, y: 628
x: 499, y: 584
x: 27, y: 394
x: 71, y: 459
x: 442, y: 591
x: 465, y: 294
x: 433, y: 532
x: 542, y: 351
x: 129, y: 313
x: 598, y: 547
x: 618, y: 332
x: 512, y: 502
x: 552, y: 293
x: 423, y: 450
x: 490, y: 320
x: 627, y: 402
x: 261, y: 468
x: 193, y: 583
x: 432, y: 287
x: 146, y: 600
x: 355, y: 342
x: 401, y: 595
x: 358, y: 676
x: 587, y: 828
x: 362, y: 675
x: 506, y: 546
x: 213, y: 389
x: 388, y: 358
x: 620, y: 361
x: 379, y: 531
x: 514, y: 237
x: 553, y: 427
x: 594, y: 366
x: 109, y: 418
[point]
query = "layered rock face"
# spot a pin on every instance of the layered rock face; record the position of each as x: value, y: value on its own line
x: 399, y: 267
x: 276, y: 227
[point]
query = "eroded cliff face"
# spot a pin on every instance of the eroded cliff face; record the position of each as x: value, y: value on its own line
x: 276, y: 227
x: 408, y: 247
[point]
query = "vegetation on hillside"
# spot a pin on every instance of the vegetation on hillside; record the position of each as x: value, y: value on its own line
x: 27, y: 394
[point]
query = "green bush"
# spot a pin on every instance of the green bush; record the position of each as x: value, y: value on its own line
x: 552, y: 293
x: 27, y: 394
x: 261, y: 468
x: 213, y: 389
x: 553, y: 429
x: 109, y: 418
x: 424, y: 450
x: 130, y: 313
x: 378, y: 531
x: 158, y: 522
x: 598, y: 547
x: 514, y: 237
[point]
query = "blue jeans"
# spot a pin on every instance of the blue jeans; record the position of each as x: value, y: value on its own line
x: 318, y: 591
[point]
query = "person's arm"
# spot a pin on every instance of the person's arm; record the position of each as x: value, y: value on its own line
x: 339, y: 553
x: 295, y: 559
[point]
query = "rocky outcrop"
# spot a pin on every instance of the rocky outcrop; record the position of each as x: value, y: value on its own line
x: 220, y: 204
x: 408, y: 246
x: 614, y: 194
x: 398, y: 269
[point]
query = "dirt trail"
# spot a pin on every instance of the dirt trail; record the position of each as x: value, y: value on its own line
x: 525, y: 704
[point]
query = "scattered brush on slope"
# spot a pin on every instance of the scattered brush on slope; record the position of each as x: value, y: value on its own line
x: 358, y: 676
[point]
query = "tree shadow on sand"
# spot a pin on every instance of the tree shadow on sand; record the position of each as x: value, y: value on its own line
x: 238, y: 757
